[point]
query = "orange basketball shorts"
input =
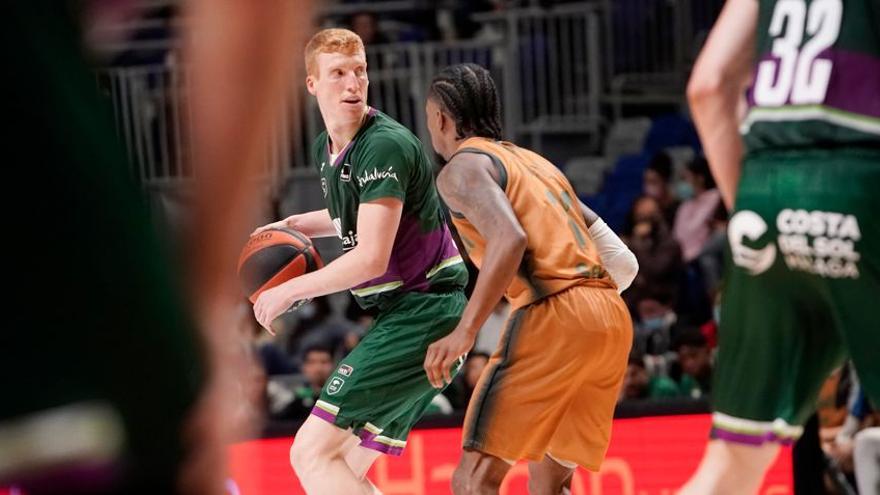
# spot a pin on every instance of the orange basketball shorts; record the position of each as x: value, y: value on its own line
x: 552, y: 384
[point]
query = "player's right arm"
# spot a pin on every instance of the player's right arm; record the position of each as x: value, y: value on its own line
x: 312, y: 224
x: 469, y: 186
x: 717, y: 82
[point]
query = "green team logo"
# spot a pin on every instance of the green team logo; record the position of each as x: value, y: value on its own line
x: 335, y: 385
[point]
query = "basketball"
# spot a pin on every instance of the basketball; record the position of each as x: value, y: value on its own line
x: 273, y: 257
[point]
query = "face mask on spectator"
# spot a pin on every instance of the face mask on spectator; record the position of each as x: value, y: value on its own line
x: 654, y: 220
x: 659, y: 322
x: 684, y: 190
x: 655, y: 323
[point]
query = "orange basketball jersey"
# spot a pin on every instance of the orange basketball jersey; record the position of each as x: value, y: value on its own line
x: 560, y: 253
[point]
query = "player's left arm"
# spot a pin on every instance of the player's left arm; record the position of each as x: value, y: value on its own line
x: 616, y: 257
x: 377, y: 226
x: 381, y: 174
x: 717, y: 82
x: 468, y: 186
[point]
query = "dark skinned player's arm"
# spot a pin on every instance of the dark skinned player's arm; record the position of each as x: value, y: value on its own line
x: 469, y: 186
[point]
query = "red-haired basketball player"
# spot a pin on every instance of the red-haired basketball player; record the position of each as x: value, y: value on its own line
x: 399, y: 258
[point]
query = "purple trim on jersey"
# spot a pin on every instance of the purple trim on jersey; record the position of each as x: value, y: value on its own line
x: 370, y: 113
x: 341, y: 155
x: 749, y: 439
x: 414, y: 254
x: 855, y: 78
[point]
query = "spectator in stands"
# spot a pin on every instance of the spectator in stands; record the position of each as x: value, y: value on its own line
x: 260, y: 358
x: 462, y: 388
x: 638, y: 383
x: 657, y: 184
x: 273, y: 359
x: 711, y: 258
x: 360, y: 320
x: 317, y: 366
x: 490, y: 332
x: 694, y: 363
x: 316, y: 324
x: 366, y: 25
x: 252, y: 392
x: 693, y: 221
x: 653, y: 332
x: 867, y: 459
x: 455, y: 17
x: 852, y: 451
x: 473, y: 367
x: 659, y: 256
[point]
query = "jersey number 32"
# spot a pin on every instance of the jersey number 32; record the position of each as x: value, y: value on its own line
x: 799, y: 75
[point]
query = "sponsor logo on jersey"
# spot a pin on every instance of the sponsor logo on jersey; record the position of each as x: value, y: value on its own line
x: 822, y: 243
x: 345, y: 173
x: 377, y: 174
x: 350, y: 240
x: 324, y: 186
x: 345, y: 370
x: 819, y: 242
x: 749, y: 225
x: 335, y: 385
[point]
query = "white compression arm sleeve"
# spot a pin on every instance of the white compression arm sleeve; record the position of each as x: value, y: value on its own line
x: 618, y: 259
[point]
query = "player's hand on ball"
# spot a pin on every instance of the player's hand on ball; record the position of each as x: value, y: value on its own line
x: 443, y: 354
x: 270, y: 304
x: 281, y: 224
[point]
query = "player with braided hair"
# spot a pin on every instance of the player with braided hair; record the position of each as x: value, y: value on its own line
x: 549, y: 391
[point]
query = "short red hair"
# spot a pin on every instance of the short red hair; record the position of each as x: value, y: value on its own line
x: 331, y: 41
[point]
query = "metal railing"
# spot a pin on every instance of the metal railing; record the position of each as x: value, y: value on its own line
x: 555, y: 69
x: 400, y: 76
x: 153, y: 121
x: 546, y: 63
x: 650, y: 46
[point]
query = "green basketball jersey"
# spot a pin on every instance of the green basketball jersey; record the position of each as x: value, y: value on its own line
x: 386, y: 160
x: 817, y: 75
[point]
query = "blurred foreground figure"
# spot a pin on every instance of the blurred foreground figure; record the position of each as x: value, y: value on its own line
x: 109, y: 386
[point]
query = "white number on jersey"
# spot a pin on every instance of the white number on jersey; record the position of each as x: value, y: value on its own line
x: 799, y: 73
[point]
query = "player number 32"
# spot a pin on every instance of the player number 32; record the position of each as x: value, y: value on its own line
x: 798, y: 73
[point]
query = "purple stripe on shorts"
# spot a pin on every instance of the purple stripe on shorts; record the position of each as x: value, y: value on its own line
x: 748, y: 438
x: 326, y: 416
x: 381, y: 447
